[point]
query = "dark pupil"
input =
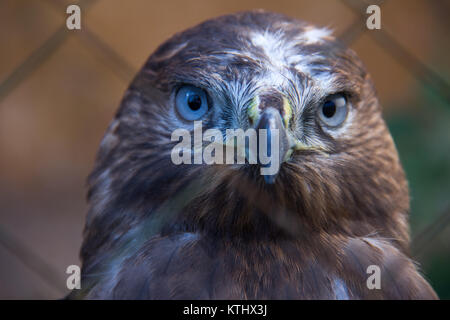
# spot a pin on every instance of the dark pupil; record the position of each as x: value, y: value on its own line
x: 329, y: 109
x: 194, y: 102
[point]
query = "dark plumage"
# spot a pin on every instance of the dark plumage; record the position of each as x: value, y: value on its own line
x: 156, y: 230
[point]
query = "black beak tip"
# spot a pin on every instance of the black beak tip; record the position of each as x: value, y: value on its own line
x: 270, y: 179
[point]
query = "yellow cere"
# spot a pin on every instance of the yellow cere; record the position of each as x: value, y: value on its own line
x: 287, y: 111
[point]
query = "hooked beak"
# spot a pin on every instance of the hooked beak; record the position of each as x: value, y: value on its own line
x: 271, y: 128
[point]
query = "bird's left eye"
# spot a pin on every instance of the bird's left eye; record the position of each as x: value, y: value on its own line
x: 191, y: 102
x: 333, y: 111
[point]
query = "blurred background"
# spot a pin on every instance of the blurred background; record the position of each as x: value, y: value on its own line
x: 59, y: 89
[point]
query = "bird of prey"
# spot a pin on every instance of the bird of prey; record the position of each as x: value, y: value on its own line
x: 333, y: 216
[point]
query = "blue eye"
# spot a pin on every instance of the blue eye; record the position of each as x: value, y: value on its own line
x: 191, y: 102
x: 333, y: 111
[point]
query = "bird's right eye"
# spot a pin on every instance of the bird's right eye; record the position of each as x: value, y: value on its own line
x: 191, y: 102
